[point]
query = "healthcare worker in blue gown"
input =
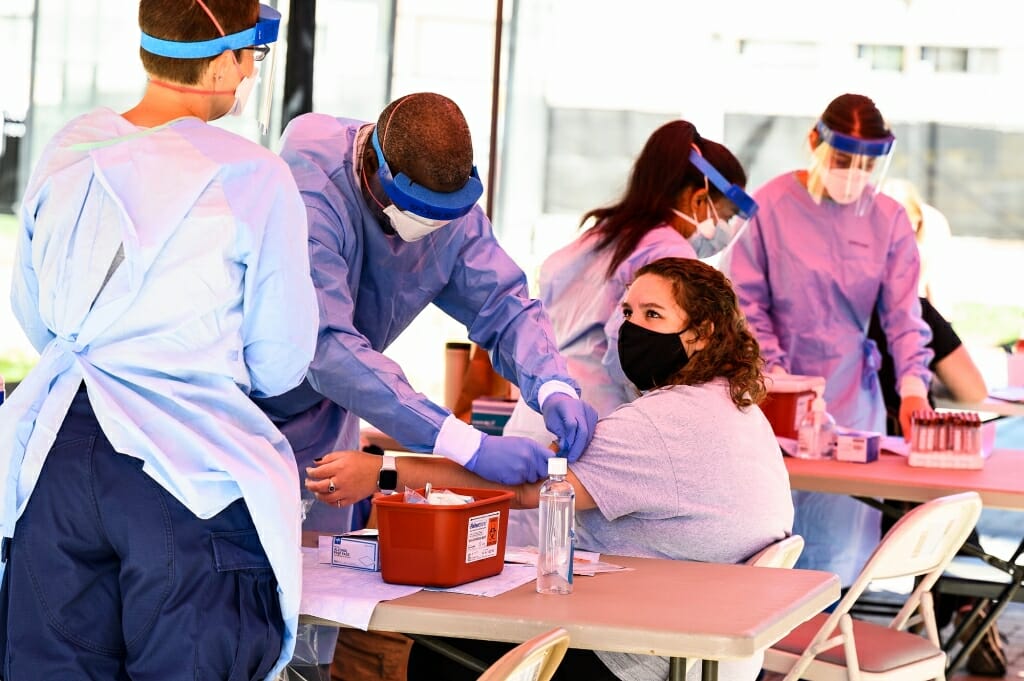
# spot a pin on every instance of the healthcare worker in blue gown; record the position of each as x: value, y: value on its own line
x: 394, y: 227
x: 824, y: 249
x: 150, y: 515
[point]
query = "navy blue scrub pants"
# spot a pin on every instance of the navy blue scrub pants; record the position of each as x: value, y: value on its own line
x: 109, y: 577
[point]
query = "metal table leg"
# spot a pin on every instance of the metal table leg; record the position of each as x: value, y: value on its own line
x: 676, y: 668
x: 450, y: 651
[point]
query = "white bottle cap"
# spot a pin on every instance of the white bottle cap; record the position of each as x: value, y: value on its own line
x: 557, y: 465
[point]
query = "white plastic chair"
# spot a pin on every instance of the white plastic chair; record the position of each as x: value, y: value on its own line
x: 835, y: 647
x: 782, y: 554
x: 532, y: 660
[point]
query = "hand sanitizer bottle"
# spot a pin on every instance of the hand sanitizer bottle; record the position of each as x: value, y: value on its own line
x: 816, y: 434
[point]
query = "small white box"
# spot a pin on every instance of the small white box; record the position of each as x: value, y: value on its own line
x: 858, y: 446
x: 358, y: 549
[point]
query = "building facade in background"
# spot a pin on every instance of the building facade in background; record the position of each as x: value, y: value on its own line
x: 583, y: 84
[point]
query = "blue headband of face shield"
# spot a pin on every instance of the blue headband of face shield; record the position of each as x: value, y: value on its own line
x: 263, y: 33
x: 424, y: 202
x: 854, y: 145
x: 746, y: 207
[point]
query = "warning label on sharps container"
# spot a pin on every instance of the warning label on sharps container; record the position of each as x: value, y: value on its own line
x: 482, y: 538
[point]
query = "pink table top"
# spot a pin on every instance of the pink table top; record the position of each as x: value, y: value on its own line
x: 1000, y: 483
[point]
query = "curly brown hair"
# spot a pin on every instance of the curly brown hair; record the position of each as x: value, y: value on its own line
x: 732, y: 351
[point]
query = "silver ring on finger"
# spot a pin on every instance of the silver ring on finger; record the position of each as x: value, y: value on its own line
x: 331, y: 488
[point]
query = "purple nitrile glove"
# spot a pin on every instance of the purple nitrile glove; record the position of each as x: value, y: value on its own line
x: 510, y: 460
x: 572, y: 421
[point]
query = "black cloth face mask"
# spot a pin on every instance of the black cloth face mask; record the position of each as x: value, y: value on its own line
x: 649, y: 358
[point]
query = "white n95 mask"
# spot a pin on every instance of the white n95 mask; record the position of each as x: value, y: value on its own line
x: 409, y: 226
x: 845, y: 185
x: 244, y: 89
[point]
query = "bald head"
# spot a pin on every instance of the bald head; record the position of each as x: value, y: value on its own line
x: 425, y: 136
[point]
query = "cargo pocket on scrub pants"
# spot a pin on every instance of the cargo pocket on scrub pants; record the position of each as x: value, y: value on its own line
x: 260, y: 625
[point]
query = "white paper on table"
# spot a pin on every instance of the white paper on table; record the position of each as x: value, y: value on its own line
x: 895, y: 444
x: 1011, y: 393
x: 787, y: 444
x: 591, y: 569
x: 510, y: 577
x: 344, y: 595
x: 584, y: 563
x: 528, y: 555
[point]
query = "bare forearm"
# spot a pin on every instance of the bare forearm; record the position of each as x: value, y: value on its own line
x: 416, y: 472
x: 961, y: 376
x: 344, y: 477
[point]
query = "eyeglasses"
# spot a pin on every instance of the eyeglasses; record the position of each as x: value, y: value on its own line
x: 259, y: 52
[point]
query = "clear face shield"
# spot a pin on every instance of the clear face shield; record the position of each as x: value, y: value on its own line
x: 265, y: 55
x: 745, y: 206
x: 848, y: 170
x: 259, y: 39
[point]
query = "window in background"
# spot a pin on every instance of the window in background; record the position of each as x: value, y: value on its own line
x: 882, y: 57
x: 945, y: 59
x: 15, y: 55
x: 590, y: 154
x: 983, y: 60
x: 353, y: 53
x: 979, y: 60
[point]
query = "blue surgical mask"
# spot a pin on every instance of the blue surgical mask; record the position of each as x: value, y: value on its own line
x: 711, y: 234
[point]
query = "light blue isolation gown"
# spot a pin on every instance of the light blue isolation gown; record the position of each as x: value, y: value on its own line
x: 372, y: 285
x: 212, y: 303
x: 807, y: 276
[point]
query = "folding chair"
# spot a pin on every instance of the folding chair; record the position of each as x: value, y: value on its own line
x: 995, y: 583
x: 782, y: 554
x: 835, y: 647
x: 533, y: 660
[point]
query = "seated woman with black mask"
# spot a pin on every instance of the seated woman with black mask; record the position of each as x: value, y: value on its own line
x: 690, y: 470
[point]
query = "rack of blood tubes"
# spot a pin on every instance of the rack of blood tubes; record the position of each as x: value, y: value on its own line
x: 946, y: 439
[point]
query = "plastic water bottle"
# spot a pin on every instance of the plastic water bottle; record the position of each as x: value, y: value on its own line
x: 816, y: 434
x: 557, y: 518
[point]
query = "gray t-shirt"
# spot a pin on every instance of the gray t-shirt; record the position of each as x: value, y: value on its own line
x: 683, y: 473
